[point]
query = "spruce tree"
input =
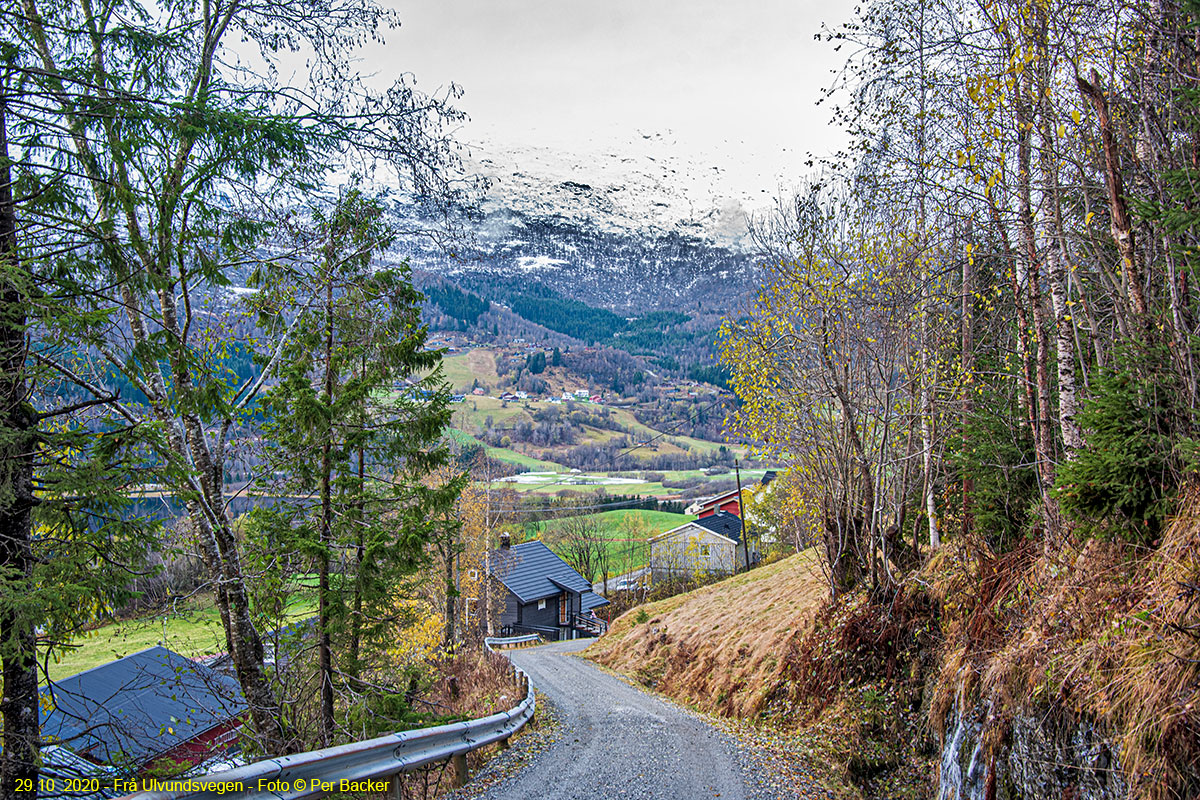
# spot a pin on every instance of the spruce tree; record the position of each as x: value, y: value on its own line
x: 355, y: 422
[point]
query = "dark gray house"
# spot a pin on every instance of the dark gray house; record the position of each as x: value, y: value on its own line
x: 542, y: 594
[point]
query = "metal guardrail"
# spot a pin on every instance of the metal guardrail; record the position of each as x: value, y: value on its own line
x: 510, y: 641
x: 524, y: 630
x: 349, y: 767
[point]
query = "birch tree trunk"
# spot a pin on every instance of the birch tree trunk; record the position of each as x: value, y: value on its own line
x: 1028, y: 264
x: 1056, y: 250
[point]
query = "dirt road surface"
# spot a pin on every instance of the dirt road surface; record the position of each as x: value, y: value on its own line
x: 615, y: 741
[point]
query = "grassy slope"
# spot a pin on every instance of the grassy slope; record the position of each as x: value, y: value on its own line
x: 655, y: 521
x: 522, y: 460
x: 504, y: 454
x: 627, y: 418
x: 715, y: 647
x: 628, y: 556
x: 195, y: 631
x: 463, y: 369
x: 624, y: 555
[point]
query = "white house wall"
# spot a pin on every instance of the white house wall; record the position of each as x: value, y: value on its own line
x: 681, y: 552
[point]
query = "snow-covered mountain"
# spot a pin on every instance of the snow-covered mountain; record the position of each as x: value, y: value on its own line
x: 643, y: 188
x: 630, y: 229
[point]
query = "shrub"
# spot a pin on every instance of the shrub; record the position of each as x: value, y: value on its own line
x: 1126, y: 480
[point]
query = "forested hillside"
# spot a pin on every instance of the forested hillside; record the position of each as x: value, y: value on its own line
x: 976, y: 348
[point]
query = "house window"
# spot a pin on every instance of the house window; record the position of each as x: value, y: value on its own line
x: 704, y: 550
x: 563, y: 606
x: 473, y: 574
x: 541, y: 605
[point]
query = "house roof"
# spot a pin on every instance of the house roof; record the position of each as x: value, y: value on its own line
x: 722, y: 523
x: 590, y: 600
x: 138, y: 707
x: 60, y: 765
x: 532, y: 571
x: 702, y: 503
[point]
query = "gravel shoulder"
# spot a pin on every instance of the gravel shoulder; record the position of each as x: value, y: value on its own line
x: 603, y: 738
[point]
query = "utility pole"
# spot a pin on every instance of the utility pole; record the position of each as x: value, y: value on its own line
x: 737, y: 469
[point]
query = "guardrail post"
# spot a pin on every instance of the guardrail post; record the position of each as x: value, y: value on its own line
x: 395, y: 790
x: 458, y: 766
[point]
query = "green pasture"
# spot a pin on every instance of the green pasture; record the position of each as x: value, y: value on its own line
x: 194, y: 629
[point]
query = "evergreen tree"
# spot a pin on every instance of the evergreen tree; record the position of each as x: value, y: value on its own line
x: 353, y: 423
x: 70, y: 455
x: 536, y: 363
x: 166, y: 170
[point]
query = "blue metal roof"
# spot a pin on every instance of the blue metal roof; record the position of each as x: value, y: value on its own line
x: 532, y: 571
x: 60, y: 765
x: 590, y: 600
x: 724, y: 523
x: 138, y: 707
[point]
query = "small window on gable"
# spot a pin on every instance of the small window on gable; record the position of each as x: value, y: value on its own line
x: 541, y: 605
x: 703, y: 549
x: 473, y: 574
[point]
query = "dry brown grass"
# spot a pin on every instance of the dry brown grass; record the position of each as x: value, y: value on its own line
x: 472, y: 684
x: 1090, y: 632
x: 1098, y: 631
x: 718, y: 646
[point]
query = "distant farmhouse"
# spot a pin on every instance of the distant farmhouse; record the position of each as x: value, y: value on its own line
x: 542, y: 594
x: 710, y: 545
x: 148, y: 707
x: 707, y: 506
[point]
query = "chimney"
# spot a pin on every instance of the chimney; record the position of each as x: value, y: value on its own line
x: 505, y: 541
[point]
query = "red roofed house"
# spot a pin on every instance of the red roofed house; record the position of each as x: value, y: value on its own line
x: 729, y: 501
x: 707, y: 506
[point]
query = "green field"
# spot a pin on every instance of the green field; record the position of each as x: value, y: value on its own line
x: 506, y: 455
x: 463, y: 369
x: 553, y: 484
x: 627, y: 548
x: 520, y: 459
x: 655, y: 522
x: 194, y: 631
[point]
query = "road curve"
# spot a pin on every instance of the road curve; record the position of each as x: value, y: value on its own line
x: 617, y: 741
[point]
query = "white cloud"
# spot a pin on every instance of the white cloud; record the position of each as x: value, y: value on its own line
x: 733, y: 84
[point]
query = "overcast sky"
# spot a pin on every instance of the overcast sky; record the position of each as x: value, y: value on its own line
x: 734, y: 83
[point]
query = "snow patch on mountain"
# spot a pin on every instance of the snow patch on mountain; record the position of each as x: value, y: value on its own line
x: 646, y: 189
x: 535, y: 263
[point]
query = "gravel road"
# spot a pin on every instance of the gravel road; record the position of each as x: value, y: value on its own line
x: 614, y: 741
